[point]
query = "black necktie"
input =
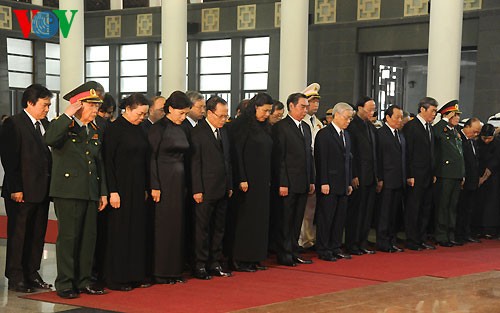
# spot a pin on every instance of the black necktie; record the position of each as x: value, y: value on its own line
x: 428, y: 128
x: 38, y: 129
x: 472, y: 145
x: 217, y: 135
x: 301, y: 129
x: 342, y: 137
x: 312, y: 122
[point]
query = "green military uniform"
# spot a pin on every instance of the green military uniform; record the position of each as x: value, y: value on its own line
x: 450, y: 171
x: 77, y: 184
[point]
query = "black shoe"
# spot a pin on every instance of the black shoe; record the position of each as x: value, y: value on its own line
x: 342, y: 255
x: 144, y: 284
x: 327, y: 257
x: 301, y: 260
x: 473, y: 240
x: 39, y: 284
x: 367, y: 251
x: 398, y: 249
x: 388, y: 250
x: 413, y: 246
x: 120, y: 287
x: 356, y: 251
x: 201, y: 273
x: 428, y: 246
x: 456, y: 242
x: 259, y: 267
x: 68, y: 294
x: 218, y: 271
x: 164, y: 281
x: 21, y: 287
x: 92, y: 290
x: 244, y: 267
x: 445, y: 244
x: 286, y: 261
x: 178, y: 280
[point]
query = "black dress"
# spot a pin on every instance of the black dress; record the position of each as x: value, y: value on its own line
x: 251, y: 163
x: 126, y: 156
x: 169, y: 145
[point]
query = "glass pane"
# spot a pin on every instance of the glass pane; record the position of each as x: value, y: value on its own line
x: 256, y: 63
x: 17, y: 63
x: 20, y: 80
x: 215, y: 82
x: 255, y: 81
x: 258, y: 45
x: 214, y: 48
x: 19, y: 46
x: 104, y: 81
x: 159, y: 84
x: 160, y: 51
x: 53, y: 66
x: 133, y: 84
x: 53, y: 82
x: 52, y: 50
x: 133, y: 68
x: 134, y: 52
x: 96, y: 69
x: 97, y: 53
x: 53, y: 107
x: 215, y: 65
x: 159, y: 67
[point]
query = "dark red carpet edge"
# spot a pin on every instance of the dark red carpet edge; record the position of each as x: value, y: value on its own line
x: 50, y: 236
x: 281, y: 283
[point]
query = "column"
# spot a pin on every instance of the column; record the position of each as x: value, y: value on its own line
x: 72, y: 50
x: 173, y: 41
x: 116, y: 4
x: 445, y: 44
x: 293, y: 47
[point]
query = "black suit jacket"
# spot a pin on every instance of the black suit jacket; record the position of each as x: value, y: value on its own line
x: 471, y: 163
x: 419, y: 153
x: 333, y: 160
x: 26, y: 159
x: 292, y: 156
x: 210, y: 162
x: 364, y: 162
x: 391, y: 158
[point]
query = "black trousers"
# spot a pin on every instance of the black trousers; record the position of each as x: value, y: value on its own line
x: 26, y: 227
x: 210, y: 221
x: 467, y: 202
x: 418, y: 211
x: 330, y: 221
x: 359, y: 217
x: 292, y: 214
x: 390, y: 203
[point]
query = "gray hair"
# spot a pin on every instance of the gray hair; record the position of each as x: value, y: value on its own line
x: 194, y: 96
x: 341, y: 107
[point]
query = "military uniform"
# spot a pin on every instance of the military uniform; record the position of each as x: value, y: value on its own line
x: 450, y: 171
x: 77, y: 184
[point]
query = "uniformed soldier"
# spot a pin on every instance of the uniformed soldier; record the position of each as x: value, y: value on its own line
x: 78, y: 188
x: 450, y: 172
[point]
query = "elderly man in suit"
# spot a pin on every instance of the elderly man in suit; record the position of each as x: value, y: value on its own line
x: 198, y: 109
x: 294, y: 175
x: 332, y: 154
x: 391, y: 175
x: 420, y: 174
x: 155, y: 113
x: 211, y: 187
x: 78, y: 188
x: 27, y: 163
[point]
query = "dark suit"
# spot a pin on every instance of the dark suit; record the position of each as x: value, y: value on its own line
x: 27, y: 163
x: 146, y: 125
x: 294, y: 168
x: 333, y: 168
x: 420, y: 158
x: 391, y: 155
x: 211, y: 175
x: 364, y: 167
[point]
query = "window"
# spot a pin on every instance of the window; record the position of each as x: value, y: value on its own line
x: 255, y: 66
x: 133, y: 69
x: 20, y: 62
x: 160, y: 56
x: 215, y: 68
x: 97, y: 65
x: 53, y: 75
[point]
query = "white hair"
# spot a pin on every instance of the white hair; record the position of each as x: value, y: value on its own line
x: 341, y: 107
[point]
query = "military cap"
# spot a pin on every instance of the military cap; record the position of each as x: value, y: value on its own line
x: 312, y: 91
x: 86, y: 92
x: 329, y: 112
x: 451, y: 106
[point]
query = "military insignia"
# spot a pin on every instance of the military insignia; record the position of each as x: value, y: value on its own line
x: 445, y: 129
x: 96, y: 137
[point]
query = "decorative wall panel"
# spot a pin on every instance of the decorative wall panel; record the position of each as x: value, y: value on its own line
x: 472, y: 5
x: 277, y: 14
x: 145, y: 24
x: 113, y: 26
x: 416, y: 7
x: 325, y: 11
x: 5, y: 17
x: 368, y: 9
x: 247, y: 16
x: 210, y: 20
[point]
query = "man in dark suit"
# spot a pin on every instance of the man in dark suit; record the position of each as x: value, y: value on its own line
x: 155, y: 113
x: 27, y: 163
x: 332, y: 154
x: 78, y: 188
x: 391, y: 174
x: 364, y: 182
x: 420, y: 174
x: 106, y: 111
x: 211, y: 187
x: 294, y: 174
x: 467, y: 199
x: 198, y: 109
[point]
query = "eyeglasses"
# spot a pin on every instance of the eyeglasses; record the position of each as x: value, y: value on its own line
x: 347, y: 118
x: 222, y: 117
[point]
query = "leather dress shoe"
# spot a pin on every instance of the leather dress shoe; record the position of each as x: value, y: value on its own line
x: 473, y: 240
x: 21, y: 287
x: 388, y: 250
x: 342, y: 255
x: 164, y: 281
x: 287, y: 262
x: 413, y: 246
x: 327, y: 257
x: 92, y: 290
x: 39, y: 283
x: 201, y: 273
x: 367, y: 251
x: 456, y: 242
x: 356, y: 251
x: 398, y: 249
x: 179, y: 280
x: 301, y: 260
x: 445, y: 244
x: 218, y: 271
x: 428, y: 246
x: 244, y: 267
x: 120, y: 287
x: 259, y: 267
x: 68, y: 293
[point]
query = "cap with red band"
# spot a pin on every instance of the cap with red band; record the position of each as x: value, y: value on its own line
x: 86, y: 92
x: 451, y: 106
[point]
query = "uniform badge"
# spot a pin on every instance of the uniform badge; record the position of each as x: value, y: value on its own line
x: 96, y: 137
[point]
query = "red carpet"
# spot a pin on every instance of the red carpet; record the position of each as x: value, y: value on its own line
x: 50, y: 236
x: 281, y: 283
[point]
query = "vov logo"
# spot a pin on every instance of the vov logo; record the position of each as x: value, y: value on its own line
x: 45, y: 24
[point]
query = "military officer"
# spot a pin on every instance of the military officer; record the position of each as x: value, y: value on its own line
x: 450, y: 172
x: 78, y: 188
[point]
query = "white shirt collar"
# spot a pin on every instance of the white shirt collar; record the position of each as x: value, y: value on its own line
x: 392, y: 129
x: 193, y: 122
x: 33, y: 120
x: 296, y: 122
x: 337, y: 128
x: 211, y: 126
x: 421, y: 119
x: 80, y: 123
